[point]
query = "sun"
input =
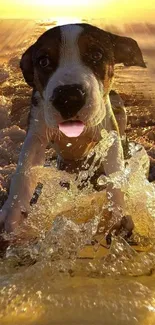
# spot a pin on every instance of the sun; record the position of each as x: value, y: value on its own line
x: 60, y: 21
x: 42, y: 9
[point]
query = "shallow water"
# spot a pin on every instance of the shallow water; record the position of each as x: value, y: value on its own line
x: 80, y: 291
x: 58, y: 269
x: 80, y: 300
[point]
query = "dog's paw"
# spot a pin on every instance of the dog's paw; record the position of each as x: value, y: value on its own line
x: 123, y: 228
x: 11, y: 217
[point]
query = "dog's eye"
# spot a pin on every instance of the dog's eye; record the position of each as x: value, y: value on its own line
x: 96, y: 56
x: 44, y: 62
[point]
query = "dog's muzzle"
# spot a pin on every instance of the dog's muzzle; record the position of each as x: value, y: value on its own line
x: 68, y: 99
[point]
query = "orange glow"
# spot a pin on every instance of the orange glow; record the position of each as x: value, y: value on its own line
x: 113, y: 10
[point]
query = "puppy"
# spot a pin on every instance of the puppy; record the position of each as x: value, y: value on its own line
x: 71, y: 69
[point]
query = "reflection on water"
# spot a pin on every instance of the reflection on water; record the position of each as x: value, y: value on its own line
x: 58, y: 269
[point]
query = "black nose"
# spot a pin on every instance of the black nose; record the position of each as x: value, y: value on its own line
x: 68, y: 99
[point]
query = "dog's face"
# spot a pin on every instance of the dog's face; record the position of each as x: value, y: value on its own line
x: 72, y: 68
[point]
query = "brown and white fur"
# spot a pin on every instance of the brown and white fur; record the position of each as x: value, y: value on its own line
x: 71, y: 55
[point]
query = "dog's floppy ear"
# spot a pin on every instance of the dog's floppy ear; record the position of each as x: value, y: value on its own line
x: 127, y: 51
x: 26, y: 65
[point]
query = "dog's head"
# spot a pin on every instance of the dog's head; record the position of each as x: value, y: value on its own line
x: 72, y: 68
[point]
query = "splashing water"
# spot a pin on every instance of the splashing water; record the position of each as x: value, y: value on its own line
x: 51, y: 260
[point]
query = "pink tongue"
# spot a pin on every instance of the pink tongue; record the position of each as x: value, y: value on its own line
x: 72, y: 128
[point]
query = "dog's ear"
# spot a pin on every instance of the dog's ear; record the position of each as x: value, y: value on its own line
x: 127, y: 51
x: 26, y: 65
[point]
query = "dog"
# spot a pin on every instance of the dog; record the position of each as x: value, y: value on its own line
x: 71, y: 70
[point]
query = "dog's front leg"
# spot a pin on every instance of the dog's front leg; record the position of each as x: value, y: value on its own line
x: 115, y: 163
x: 23, y: 182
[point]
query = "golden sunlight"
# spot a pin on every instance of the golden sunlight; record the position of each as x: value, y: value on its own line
x: 109, y: 10
x: 61, y: 3
x: 39, y: 9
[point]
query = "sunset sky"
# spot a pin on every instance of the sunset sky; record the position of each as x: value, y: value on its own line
x: 116, y: 10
